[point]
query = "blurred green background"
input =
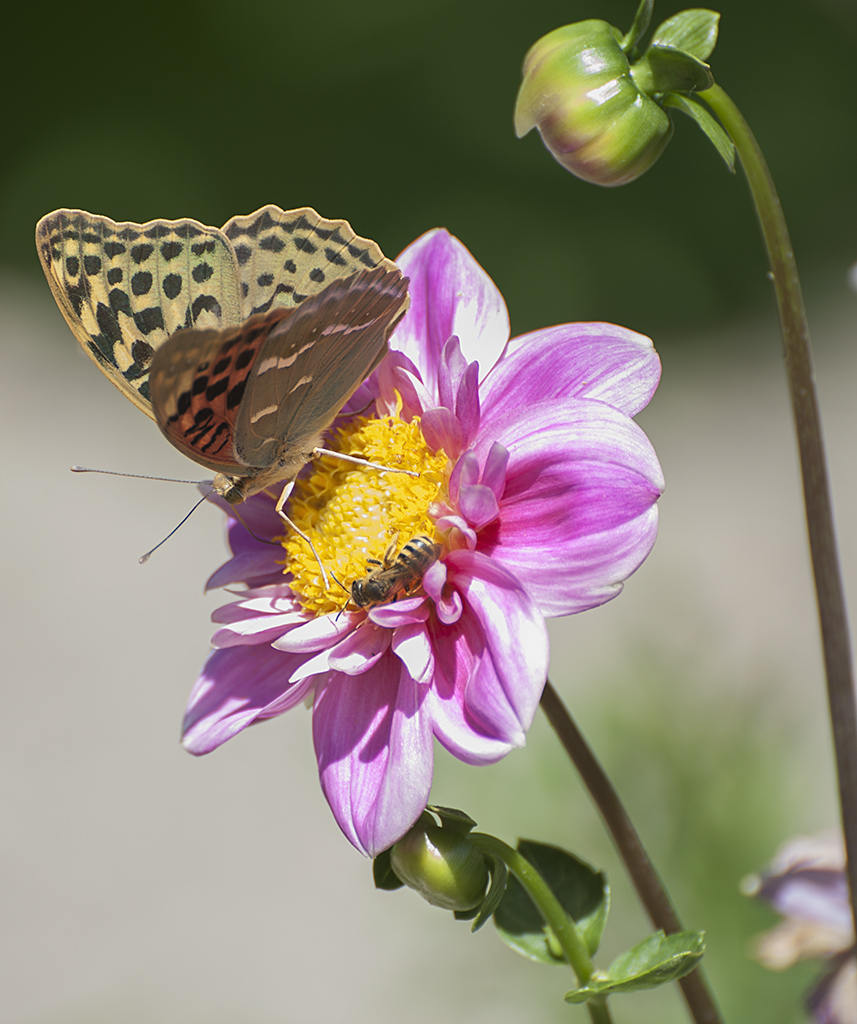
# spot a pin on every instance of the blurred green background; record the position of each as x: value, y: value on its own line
x: 398, y: 117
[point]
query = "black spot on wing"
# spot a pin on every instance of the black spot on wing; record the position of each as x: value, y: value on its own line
x: 148, y: 320
x: 172, y: 285
x: 114, y: 249
x: 140, y: 253
x: 141, y: 282
x: 115, y: 275
x: 205, y: 304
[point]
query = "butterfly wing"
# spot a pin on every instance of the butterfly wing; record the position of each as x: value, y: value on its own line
x: 197, y: 383
x: 124, y: 288
x: 253, y: 400
x: 285, y: 256
x: 311, y: 363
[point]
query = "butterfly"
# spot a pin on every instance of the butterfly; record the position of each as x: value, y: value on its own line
x: 243, y: 342
x: 394, y: 577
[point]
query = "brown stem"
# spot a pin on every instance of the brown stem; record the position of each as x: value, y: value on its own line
x: 649, y: 887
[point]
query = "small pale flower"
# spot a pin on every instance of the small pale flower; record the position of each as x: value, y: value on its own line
x: 536, y: 496
x: 806, y: 884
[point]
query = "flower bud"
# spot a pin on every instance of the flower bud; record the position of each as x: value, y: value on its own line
x: 442, y: 865
x: 579, y: 90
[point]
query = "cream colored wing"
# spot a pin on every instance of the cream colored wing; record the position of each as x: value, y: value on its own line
x: 285, y: 255
x: 124, y: 288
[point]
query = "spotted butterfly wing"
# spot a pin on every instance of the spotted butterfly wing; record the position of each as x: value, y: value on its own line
x: 125, y: 288
x: 250, y: 403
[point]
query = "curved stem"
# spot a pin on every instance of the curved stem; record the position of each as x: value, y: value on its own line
x: 829, y: 590
x: 553, y: 914
x: 649, y: 887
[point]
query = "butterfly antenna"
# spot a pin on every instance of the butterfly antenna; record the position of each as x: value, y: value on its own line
x: 136, y: 476
x: 262, y: 540
x: 148, y: 555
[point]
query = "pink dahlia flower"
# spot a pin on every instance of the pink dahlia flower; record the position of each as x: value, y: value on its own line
x: 806, y: 883
x: 540, y: 492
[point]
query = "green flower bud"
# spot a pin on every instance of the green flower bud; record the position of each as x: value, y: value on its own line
x: 579, y: 89
x: 442, y: 865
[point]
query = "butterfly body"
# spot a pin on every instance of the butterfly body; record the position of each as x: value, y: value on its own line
x: 242, y: 342
x: 398, y: 576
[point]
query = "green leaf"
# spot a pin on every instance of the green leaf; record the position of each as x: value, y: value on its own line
x: 383, y: 873
x: 694, y: 31
x: 642, y: 19
x: 581, y: 890
x: 453, y: 819
x: 674, y: 70
x: 655, y: 961
x: 708, y: 123
x: 496, y: 891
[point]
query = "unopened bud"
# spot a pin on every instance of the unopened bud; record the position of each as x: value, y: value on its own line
x: 442, y: 865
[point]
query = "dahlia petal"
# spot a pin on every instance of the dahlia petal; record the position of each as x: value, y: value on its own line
x: 450, y: 295
x: 451, y: 372
x: 465, y: 471
x: 456, y: 651
x: 441, y: 429
x: 237, y: 687
x: 467, y: 406
x: 360, y: 650
x: 316, y: 634
x: 409, y: 611
x: 411, y: 645
x: 256, y: 568
x: 583, y: 360
x: 834, y: 999
x: 494, y: 473
x: 503, y: 693
x: 478, y: 505
x: 445, y: 523
x: 374, y: 752
x: 256, y: 629
x: 578, y: 514
x: 399, y: 378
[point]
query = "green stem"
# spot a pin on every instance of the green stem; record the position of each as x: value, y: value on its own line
x: 553, y: 914
x: 829, y: 590
x: 641, y: 871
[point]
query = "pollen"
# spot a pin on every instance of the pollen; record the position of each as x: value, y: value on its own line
x: 355, y: 515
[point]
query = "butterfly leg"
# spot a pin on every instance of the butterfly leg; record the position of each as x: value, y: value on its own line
x: 284, y: 497
x: 361, y: 462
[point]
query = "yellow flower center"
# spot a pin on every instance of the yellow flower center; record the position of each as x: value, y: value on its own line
x: 354, y: 514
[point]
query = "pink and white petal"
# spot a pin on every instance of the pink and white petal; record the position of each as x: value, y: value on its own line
x: 255, y: 568
x: 584, y: 360
x: 478, y: 504
x: 360, y: 650
x: 450, y: 295
x: 316, y: 634
x: 441, y: 429
x: 578, y: 514
x: 409, y: 611
x: 374, y: 750
x: 504, y: 690
x: 586, y: 572
x: 237, y: 687
x: 457, y: 649
x: 412, y: 646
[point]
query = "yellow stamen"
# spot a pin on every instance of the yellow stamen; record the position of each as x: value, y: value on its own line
x: 352, y: 514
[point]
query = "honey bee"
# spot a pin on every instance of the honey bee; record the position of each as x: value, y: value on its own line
x: 402, y: 575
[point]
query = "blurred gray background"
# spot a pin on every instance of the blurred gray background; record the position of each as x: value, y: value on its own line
x: 141, y: 884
